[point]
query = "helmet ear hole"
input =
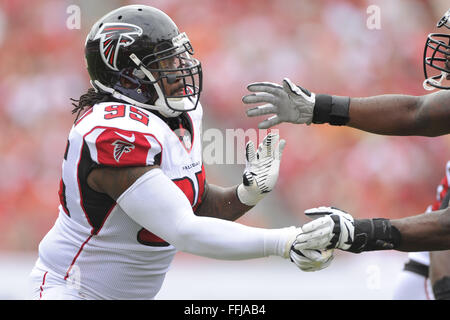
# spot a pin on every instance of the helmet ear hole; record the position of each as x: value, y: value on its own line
x: 127, y: 84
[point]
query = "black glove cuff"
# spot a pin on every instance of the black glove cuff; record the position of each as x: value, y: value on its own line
x: 331, y: 109
x: 441, y: 289
x: 375, y: 234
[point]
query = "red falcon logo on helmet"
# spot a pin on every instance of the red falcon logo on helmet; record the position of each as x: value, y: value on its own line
x: 121, y: 147
x: 113, y: 36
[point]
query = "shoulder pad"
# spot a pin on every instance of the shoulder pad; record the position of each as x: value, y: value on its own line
x: 122, y: 135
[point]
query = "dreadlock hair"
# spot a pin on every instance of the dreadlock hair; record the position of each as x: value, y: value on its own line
x: 88, y: 99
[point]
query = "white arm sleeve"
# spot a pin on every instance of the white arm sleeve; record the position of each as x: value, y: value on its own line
x: 157, y: 204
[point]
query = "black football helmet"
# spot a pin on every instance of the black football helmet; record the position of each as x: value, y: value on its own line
x: 132, y: 50
x: 436, y: 56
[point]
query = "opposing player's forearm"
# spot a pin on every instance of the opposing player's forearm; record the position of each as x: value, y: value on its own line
x: 334, y: 228
x: 389, y: 114
x: 425, y: 232
x: 402, y: 115
x: 222, y: 203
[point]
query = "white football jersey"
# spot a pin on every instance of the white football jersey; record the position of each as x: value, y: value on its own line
x: 93, y: 241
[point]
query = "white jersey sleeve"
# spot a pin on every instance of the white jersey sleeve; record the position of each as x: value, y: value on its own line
x: 171, y: 218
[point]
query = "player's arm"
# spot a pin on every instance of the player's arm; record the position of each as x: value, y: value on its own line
x: 425, y: 232
x: 221, y: 202
x: 402, y: 115
x: 217, y: 201
x: 334, y: 228
x: 153, y: 201
x: 114, y: 181
x: 393, y: 114
x: 259, y: 178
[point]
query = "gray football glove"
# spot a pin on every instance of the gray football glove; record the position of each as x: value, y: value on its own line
x: 288, y: 103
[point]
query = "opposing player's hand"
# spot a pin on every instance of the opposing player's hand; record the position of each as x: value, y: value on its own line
x: 335, y: 228
x: 311, y: 260
x: 261, y: 169
x: 287, y: 103
x: 332, y: 228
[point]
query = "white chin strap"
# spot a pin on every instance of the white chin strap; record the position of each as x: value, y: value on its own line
x: 164, y: 110
x: 432, y: 80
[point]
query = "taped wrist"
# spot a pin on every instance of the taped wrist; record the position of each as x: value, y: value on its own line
x: 441, y: 289
x: 246, y: 197
x: 331, y: 109
x: 374, y: 234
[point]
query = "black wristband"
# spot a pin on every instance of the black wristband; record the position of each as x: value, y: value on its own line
x: 441, y: 289
x: 374, y: 234
x: 322, y: 109
x: 331, y: 109
x: 417, y: 268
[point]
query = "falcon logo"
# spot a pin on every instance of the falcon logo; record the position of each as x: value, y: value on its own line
x: 113, y: 36
x: 121, y: 147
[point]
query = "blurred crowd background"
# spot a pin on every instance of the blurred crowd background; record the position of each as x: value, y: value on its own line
x: 325, y: 46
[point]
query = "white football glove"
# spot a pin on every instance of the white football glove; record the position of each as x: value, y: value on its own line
x: 311, y: 260
x: 338, y: 229
x: 289, y: 103
x: 305, y: 259
x: 261, y: 169
x: 333, y: 228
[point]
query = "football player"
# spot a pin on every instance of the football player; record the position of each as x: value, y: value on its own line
x: 415, y: 282
x: 133, y: 189
x: 427, y: 115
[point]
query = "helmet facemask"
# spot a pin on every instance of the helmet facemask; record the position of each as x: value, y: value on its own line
x: 170, y: 63
x: 436, y: 55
